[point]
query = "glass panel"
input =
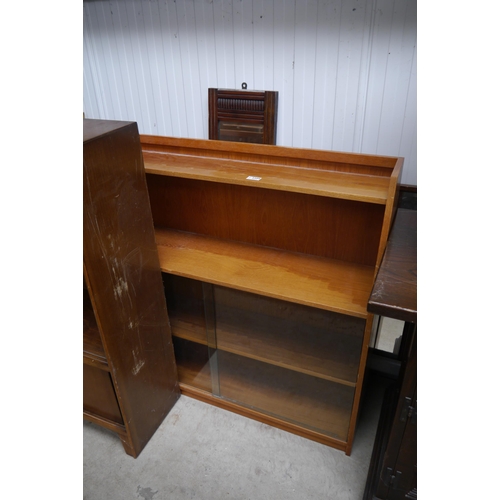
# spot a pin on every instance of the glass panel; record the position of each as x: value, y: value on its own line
x: 311, y: 402
x: 186, y: 313
x: 193, y: 365
x: 294, y: 362
x: 185, y: 307
x: 208, y: 299
x: 301, y: 338
x: 241, y: 132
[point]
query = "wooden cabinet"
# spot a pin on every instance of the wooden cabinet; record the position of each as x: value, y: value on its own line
x: 129, y: 373
x: 393, y: 468
x: 268, y: 257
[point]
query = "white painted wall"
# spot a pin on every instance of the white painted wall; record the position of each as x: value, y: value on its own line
x: 345, y: 70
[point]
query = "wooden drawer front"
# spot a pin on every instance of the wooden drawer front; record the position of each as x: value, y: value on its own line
x: 99, y: 395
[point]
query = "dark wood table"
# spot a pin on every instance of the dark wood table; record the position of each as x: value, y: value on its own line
x: 393, y: 470
x: 394, y: 293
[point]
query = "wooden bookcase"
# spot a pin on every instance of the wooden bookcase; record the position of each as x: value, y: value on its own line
x: 268, y: 256
x: 129, y: 373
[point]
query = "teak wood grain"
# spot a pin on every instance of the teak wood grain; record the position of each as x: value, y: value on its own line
x: 305, y: 279
x: 328, y: 227
x: 273, y: 155
x: 330, y: 183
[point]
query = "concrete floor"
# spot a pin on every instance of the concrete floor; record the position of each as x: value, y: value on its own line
x: 203, y: 452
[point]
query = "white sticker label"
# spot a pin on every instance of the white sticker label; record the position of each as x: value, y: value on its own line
x: 252, y: 178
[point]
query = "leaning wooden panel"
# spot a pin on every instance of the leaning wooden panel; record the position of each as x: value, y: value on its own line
x: 124, y: 279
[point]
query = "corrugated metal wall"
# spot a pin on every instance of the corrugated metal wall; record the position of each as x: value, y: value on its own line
x: 345, y: 69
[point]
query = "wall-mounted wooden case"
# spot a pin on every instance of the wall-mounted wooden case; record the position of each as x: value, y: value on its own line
x: 242, y: 115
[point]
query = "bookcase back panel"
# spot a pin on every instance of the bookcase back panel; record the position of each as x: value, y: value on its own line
x: 328, y: 227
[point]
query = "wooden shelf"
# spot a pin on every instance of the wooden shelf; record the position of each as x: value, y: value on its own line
x: 191, y: 375
x: 313, y: 281
x: 183, y: 327
x: 321, y: 182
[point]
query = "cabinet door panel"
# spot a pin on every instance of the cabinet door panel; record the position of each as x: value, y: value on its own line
x: 99, y: 395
